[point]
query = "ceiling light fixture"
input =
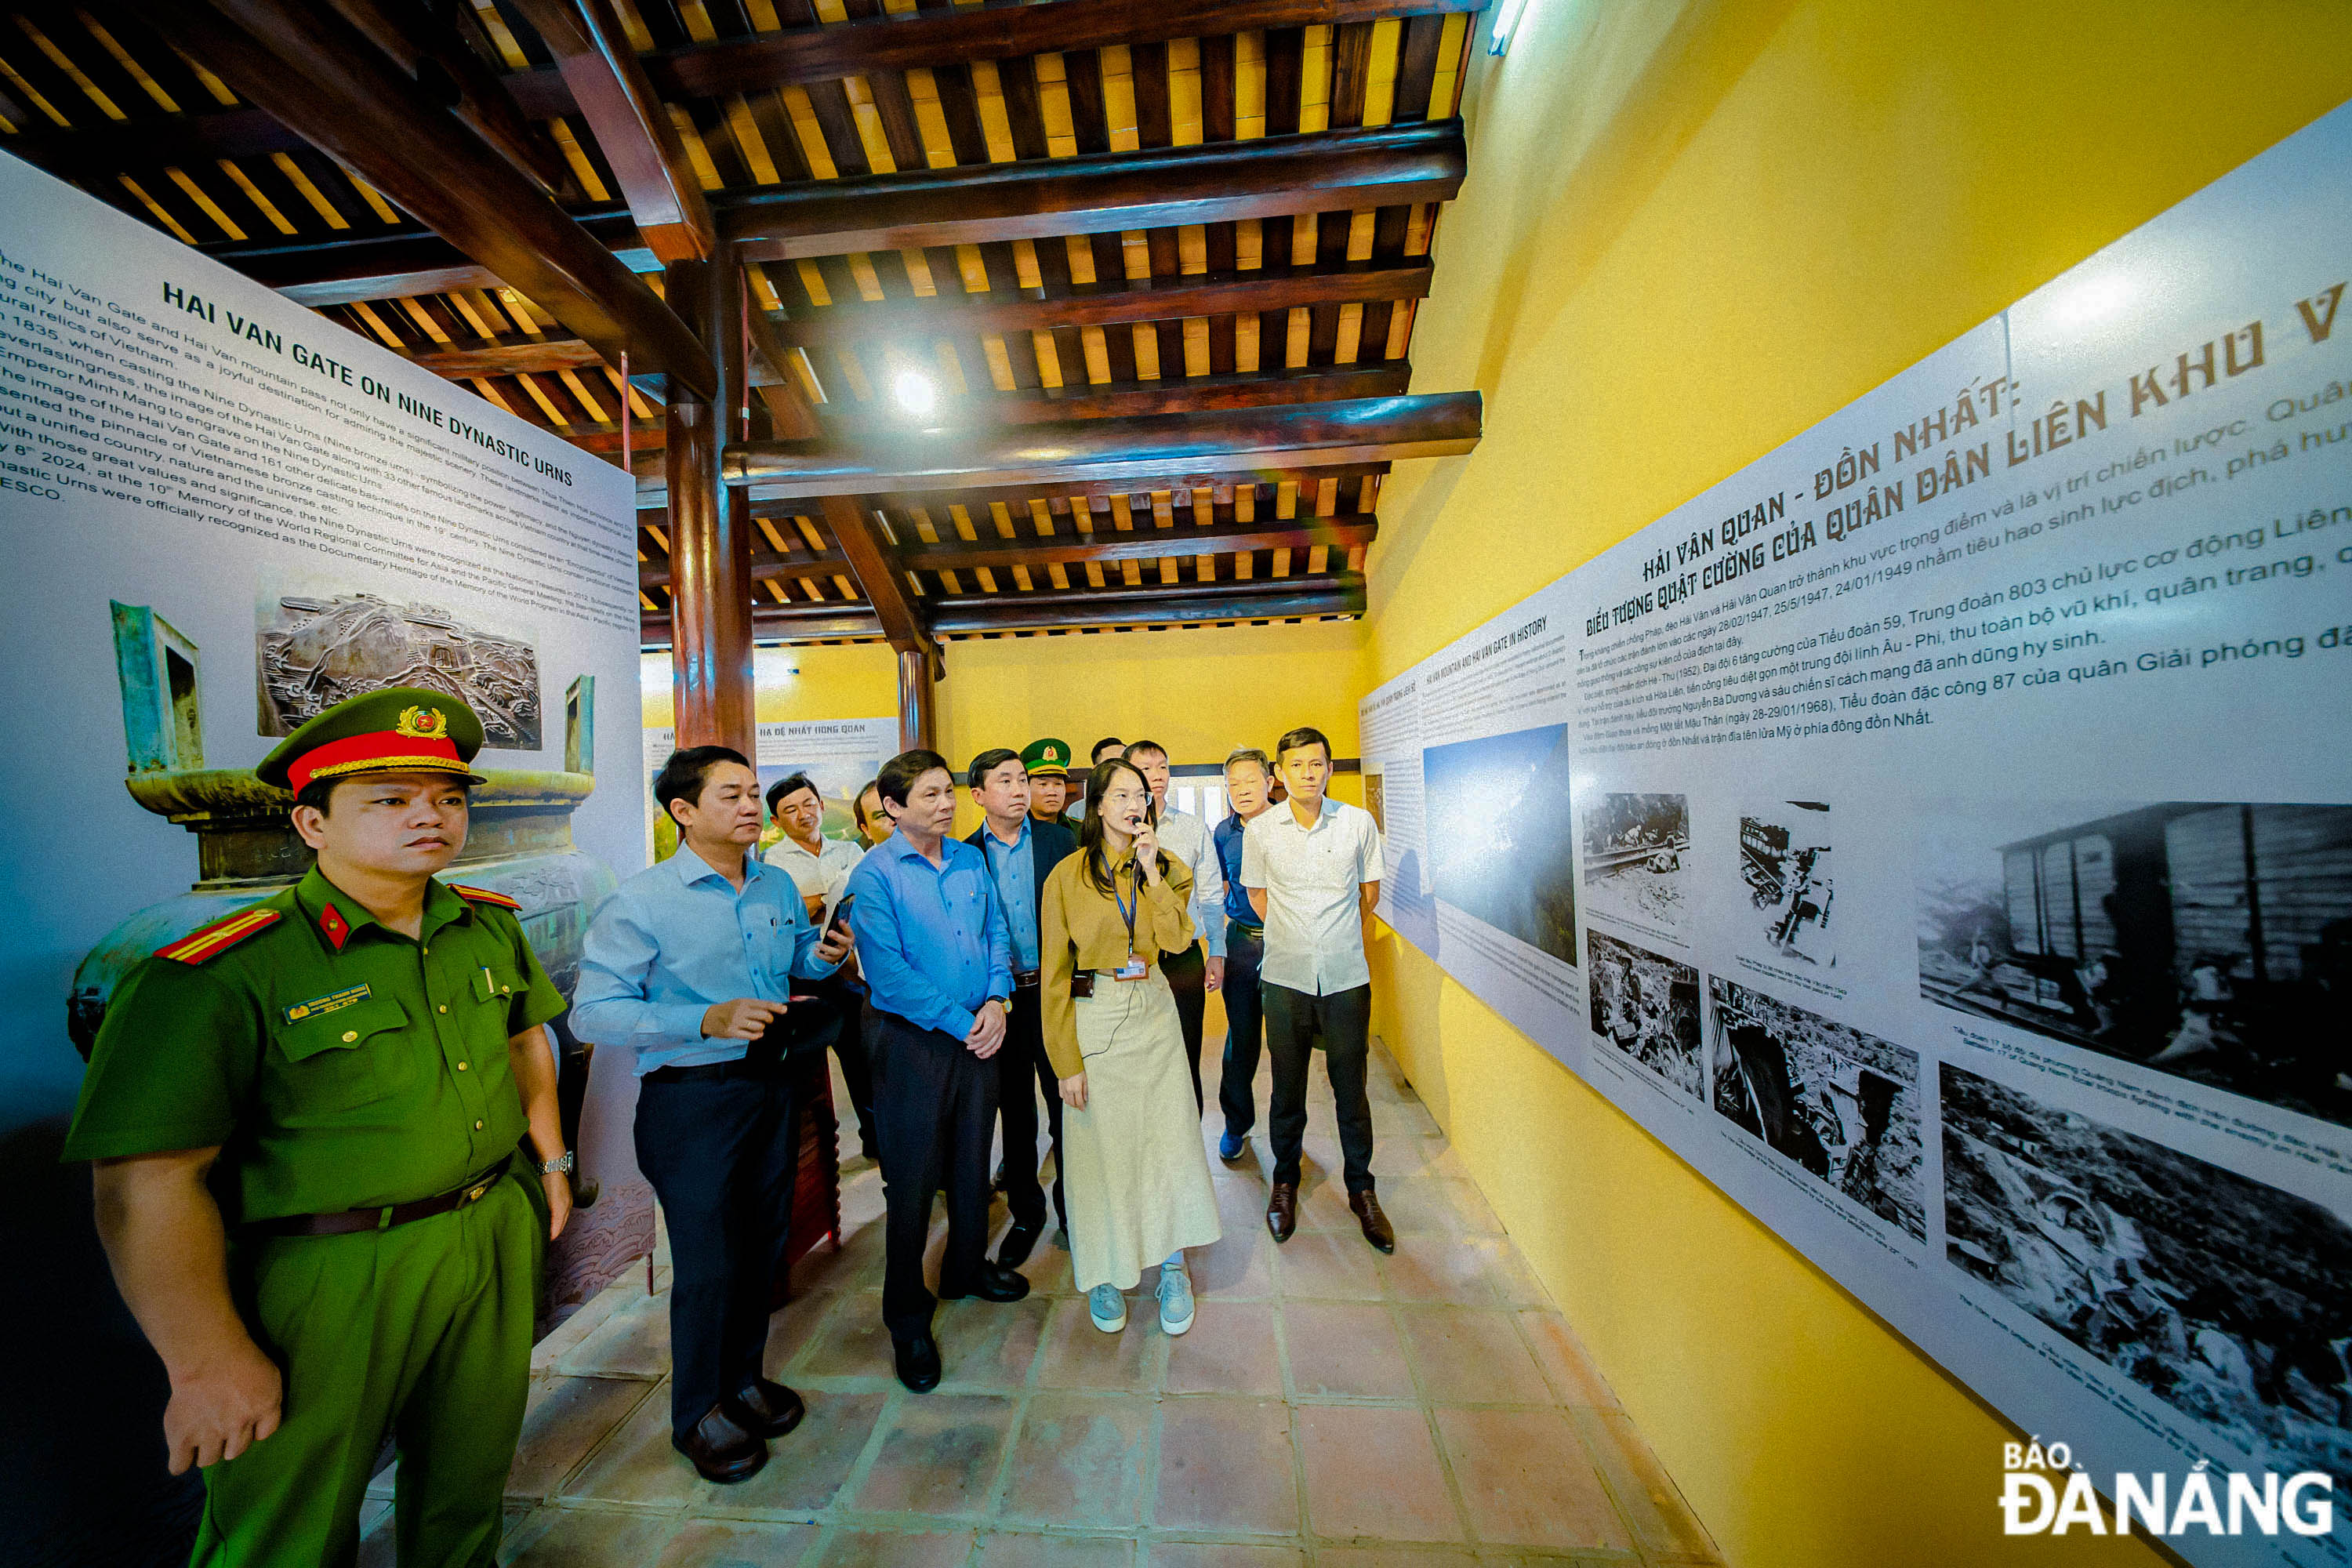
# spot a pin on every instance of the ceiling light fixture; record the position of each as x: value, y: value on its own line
x: 916, y: 392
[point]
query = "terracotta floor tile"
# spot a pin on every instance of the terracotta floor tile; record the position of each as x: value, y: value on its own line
x: 1323, y: 1205
x: 1373, y: 1472
x: 988, y: 1344
x: 851, y: 1341
x: 1567, y: 1365
x: 1526, y: 1481
x: 1241, y: 1197
x: 1079, y: 1355
x: 1230, y: 1350
x: 1401, y: 1119
x: 1239, y: 1266
x: 633, y: 1343
x: 637, y: 1464
x: 1391, y: 1556
x: 792, y: 1327
x: 734, y: 1543
x: 1006, y: 1549
x: 1226, y: 1465
x: 807, y: 1466
x: 1219, y: 1555
x: 567, y: 1335
x: 939, y: 1455
x: 1349, y: 1349
x: 1471, y: 1355
x: 1662, y: 1522
x: 1506, y: 1269
x: 1328, y: 1265
x: 1449, y: 1269
x: 585, y: 1538
x: 1471, y: 1211
x: 889, y: 1549
x: 855, y: 1266
x: 1049, y: 1267
x: 565, y: 1423
x: 1080, y: 1461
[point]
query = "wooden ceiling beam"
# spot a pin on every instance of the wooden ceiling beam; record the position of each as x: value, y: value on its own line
x: 632, y: 125
x: 812, y: 622
x: 1188, y: 449
x: 1099, y: 193
x: 429, y: 47
x: 942, y: 38
x: 1217, y: 294
x: 874, y: 565
x: 1182, y: 395
x: 767, y: 565
x: 1112, y: 545
x: 512, y: 354
x: 319, y: 75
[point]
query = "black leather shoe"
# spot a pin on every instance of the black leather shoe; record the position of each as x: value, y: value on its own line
x: 919, y: 1362
x: 1282, y: 1210
x: 994, y: 1282
x: 722, y: 1450
x: 1376, y: 1225
x: 1019, y: 1242
x: 766, y: 1409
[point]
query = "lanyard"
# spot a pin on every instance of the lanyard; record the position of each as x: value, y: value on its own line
x: 1126, y: 908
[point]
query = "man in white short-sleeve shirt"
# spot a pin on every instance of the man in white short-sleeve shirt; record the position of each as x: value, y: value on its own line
x: 1312, y: 869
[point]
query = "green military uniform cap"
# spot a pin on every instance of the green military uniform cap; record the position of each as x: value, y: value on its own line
x: 400, y: 729
x: 1048, y: 757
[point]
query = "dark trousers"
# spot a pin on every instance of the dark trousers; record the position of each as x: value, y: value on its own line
x: 856, y: 1072
x: 1188, y: 977
x: 1344, y: 1019
x: 1245, y: 1029
x: 1022, y: 1071
x: 935, y: 1106
x: 722, y: 1153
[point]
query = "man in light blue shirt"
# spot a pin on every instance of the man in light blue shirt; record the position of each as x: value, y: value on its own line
x: 689, y: 966
x: 937, y: 958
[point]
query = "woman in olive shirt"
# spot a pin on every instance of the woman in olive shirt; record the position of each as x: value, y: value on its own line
x: 1135, y: 1170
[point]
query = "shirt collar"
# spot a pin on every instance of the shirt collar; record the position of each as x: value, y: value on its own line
x: 988, y: 836
x: 338, y: 916
x: 692, y: 867
x: 1329, y: 810
x: 898, y: 847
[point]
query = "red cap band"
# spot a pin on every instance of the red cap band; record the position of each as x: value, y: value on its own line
x: 383, y: 751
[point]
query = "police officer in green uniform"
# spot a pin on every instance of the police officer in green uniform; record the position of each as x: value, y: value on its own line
x: 305, y: 1120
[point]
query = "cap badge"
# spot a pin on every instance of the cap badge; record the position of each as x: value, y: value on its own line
x: 422, y: 723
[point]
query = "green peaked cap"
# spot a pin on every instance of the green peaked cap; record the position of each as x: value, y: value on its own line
x: 399, y: 729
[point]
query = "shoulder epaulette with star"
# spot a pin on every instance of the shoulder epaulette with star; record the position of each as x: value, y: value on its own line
x: 211, y: 940
x: 483, y: 896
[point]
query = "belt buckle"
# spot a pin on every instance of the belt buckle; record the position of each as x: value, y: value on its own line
x: 474, y: 1193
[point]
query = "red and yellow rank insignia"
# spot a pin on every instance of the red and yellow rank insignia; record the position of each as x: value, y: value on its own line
x: 211, y: 940
x: 483, y: 896
x: 422, y: 723
x: 338, y: 929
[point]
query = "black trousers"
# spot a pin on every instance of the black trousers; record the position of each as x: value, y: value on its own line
x: 1245, y: 1029
x: 1344, y: 1019
x: 1021, y: 1064
x: 935, y: 1105
x: 721, y: 1151
x: 1188, y: 977
x: 856, y: 1072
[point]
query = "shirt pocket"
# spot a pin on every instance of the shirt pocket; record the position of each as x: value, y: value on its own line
x: 497, y: 988
x: 342, y: 1060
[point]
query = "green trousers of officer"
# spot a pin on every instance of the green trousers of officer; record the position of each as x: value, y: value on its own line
x: 423, y: 1332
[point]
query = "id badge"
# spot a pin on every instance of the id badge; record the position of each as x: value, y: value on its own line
x: 1133, y: 969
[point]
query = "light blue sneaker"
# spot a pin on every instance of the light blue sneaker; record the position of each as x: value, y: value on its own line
x: 1107, y: 1305
x: 1175, y: 1299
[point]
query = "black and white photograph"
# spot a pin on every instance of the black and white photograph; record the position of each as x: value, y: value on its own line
x: 2209, y: 941
x: 1634, y: 846
x: 1500, y: 836
x: 1784, y: 859
x: 1647, y: 1006
x: 311, y: 650
x: 2227, y: 1299
x: 1840, y: 1103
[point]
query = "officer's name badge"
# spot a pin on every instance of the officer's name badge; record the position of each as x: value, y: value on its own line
x: 333, y: 1002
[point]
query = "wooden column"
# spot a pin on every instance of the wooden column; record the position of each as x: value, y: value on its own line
x: 918, y: 714
x: 711, y: 527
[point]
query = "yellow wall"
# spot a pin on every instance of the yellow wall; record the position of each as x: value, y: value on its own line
x: 1691, y: 231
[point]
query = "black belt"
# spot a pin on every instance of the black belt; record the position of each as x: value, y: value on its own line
x: 1255, y: 933
x: 1025, y: 979
x: 347, y: 1221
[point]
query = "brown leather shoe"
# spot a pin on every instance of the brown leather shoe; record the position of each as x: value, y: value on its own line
x: 1282, y: 1210
x: 722, y: 1450
x: 1377, y: 1229
x: 765, y: 1409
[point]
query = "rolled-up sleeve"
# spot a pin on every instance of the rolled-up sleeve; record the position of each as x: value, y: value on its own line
x: 612, y: 1005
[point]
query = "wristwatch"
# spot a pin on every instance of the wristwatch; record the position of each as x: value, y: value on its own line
x: 561, y: 1165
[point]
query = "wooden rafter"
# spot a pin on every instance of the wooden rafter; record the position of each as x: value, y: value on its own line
x: 854, y: 529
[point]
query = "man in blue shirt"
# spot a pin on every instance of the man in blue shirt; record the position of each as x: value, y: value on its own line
x: 690, y: 966
x: 1247, y: 772
x: 936, y: 952
x: 1020, y: 850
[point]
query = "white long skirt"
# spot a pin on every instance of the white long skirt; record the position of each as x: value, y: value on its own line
x: 1136, y: 1177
